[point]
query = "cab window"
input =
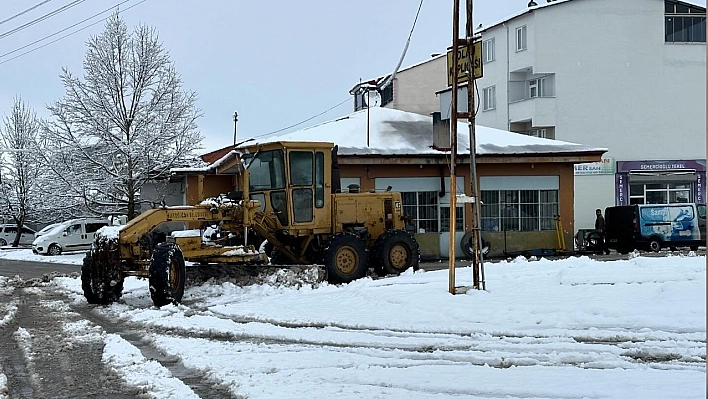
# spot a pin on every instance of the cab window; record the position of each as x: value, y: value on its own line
x: 301, y: 168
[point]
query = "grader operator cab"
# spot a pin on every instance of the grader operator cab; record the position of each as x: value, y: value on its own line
x: 286, y: 208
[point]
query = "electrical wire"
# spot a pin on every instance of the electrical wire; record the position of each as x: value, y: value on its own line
x: 68, y: 34
x: 24, y: 12
x: 306, y: 120
x: 58, y: 32
x: 42, y: 18
x: 405, y: 50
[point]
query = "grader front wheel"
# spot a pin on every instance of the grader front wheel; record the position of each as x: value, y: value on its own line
x: 99, y: 288
x: 167, y: 274
x: 345, y: 258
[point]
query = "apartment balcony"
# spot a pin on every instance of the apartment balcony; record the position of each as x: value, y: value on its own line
x: 541, y: 111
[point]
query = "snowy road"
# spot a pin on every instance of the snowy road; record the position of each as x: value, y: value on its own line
x: 573, y: 328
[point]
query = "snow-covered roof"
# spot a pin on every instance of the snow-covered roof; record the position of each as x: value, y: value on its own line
x: 395, y: 132
x: 553, y: 3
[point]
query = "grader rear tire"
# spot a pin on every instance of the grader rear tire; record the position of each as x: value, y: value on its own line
x: 395, y: 252
x: 167, y: 274
x: 345, y: 258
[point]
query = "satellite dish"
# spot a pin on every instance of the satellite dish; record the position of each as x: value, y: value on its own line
x: 373, y: 98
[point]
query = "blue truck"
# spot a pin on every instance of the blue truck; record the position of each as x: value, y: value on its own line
x: 655, y: 226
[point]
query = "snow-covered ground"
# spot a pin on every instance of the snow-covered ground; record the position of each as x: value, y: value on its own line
x: 573, y: 328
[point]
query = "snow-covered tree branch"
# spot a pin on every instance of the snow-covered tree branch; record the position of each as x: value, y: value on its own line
x: 20, y: 170
x: 127, y: 121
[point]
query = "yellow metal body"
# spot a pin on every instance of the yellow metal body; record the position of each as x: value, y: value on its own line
x: 287, y: 198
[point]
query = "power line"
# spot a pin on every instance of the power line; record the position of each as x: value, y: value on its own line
x: 24, y: 12
x: 42, y: 18
x: 58, y: 32
x: 68, y: 34
x: 306, y: 120
x: 405, y: 50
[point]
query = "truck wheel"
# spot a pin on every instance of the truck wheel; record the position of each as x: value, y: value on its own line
x: 655, y: 244
x: 2, y: 242
x: 92, y: 286
x: 395, y: 252
x: 167, y: 274
x: 345, y: 258
x: 54, y: 250
x: 694, y: 248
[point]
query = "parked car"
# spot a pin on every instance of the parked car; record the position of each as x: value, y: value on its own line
x: 9, y: 231
x: 45, y: 230
x: 655, y: 226
x: 72, y: 235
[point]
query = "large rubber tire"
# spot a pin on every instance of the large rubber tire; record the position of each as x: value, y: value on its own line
x: 2, y: 242
x: 167, y: 274
x: 92, y: 286
x: 467, y: 245
x: 655, y: 244
x: 395, y: 252
x: 345, y: 258
x: 54, y: 250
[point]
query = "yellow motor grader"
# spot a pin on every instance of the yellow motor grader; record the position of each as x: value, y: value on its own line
x: 285, y: 207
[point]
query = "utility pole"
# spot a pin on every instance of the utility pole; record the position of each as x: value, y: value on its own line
x: 468, y: 52
x: 453, y: 143
x: 235, y: 125
x: 477, y: 261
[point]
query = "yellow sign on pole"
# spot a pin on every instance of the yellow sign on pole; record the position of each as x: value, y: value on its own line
x: 463, y: 65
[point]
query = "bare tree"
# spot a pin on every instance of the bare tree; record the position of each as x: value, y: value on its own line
x: 126, y: 122
x: 20, y: 169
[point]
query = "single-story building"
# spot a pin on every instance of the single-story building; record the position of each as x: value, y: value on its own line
x: 525, y: 182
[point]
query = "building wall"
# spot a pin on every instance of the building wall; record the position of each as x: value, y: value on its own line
x: 618, y: 85
x: 414, y: 88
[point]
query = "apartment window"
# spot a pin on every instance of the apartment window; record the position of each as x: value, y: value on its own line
x: 521, y: 38
x: 422, y: 209
x: 684, y: 23
x: 387, y: 94
x: 488, y: 51
x: 490, y: 101
x: 537, y: 133
x: 519, y: 210
x: 541, y: 87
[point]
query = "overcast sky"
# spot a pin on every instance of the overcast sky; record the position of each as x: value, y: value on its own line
x: 277, y: 63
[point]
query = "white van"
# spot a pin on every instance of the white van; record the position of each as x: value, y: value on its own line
x: 9, y: 231
x: 72, y: 235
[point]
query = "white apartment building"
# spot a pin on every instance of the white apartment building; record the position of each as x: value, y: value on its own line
x: 627, y: 75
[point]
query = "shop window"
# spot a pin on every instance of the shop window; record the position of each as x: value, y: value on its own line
x: 660, y: 193
x: 445, y: 219
x: 422, y: 210
x: 518, y: 210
